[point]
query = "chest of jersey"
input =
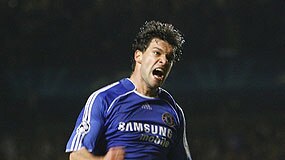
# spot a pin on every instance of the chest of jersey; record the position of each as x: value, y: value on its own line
x: 141, y: 121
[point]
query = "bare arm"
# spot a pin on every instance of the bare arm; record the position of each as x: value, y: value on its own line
x: 115, y: 153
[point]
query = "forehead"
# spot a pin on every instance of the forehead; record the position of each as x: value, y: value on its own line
x: 159, y: 44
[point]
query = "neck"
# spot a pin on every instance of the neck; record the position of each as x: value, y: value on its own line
x: 142, y: 87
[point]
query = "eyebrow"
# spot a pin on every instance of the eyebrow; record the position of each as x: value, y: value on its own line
x: 158, y: 48
x: 161, y: 50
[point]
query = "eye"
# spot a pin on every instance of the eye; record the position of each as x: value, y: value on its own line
x: 156, y: 53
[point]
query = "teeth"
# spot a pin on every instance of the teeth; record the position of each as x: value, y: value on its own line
x: 159, y: 69
x: 158, y: 72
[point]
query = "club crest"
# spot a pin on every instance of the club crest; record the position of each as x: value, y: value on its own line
x: 168, y: 119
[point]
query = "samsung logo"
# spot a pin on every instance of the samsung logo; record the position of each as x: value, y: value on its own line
x: 146, y: 128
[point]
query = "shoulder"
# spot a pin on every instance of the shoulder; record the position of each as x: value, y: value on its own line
x: 165, y: 95
x: 112, y: 91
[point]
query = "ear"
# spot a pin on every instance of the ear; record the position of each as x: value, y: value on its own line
x: 138, y: 56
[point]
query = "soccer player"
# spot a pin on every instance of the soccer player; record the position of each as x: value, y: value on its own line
x: 134, y: 118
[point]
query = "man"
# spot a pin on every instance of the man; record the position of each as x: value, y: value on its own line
x: 135, y: 118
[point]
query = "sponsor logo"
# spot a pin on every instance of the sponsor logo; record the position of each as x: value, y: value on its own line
x: 155, y: 139
x: 146, y: 106
x: 150, y: 133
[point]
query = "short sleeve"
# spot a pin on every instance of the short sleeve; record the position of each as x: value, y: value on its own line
x: 89, y: 125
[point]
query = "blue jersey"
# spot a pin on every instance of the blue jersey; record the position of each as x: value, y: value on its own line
x: 117, y: 115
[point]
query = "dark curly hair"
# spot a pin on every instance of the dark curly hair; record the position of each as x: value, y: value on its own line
x: 163, y: 31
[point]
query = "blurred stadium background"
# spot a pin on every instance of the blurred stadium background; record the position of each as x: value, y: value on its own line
x: 231, y: 81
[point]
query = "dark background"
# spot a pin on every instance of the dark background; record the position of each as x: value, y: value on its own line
x: 230, y: 82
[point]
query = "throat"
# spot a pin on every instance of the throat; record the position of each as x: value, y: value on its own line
x: 148, y: 92
x: 142, y: 87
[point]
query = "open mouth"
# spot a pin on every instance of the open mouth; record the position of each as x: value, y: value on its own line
x: 158, y: 73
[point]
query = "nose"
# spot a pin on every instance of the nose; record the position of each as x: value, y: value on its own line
x: 163, y: 59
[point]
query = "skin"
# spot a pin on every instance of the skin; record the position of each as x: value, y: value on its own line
x: 114, y: 153
x: 158, y: 55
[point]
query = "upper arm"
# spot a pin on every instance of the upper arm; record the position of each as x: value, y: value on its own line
x: 89, y: 125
